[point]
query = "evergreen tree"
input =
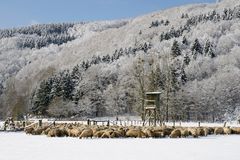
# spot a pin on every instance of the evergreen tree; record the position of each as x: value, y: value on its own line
x: 166, y: 23
x: 196, y: 48
x: 175, y: 50
x: 186, y: 59
x: 183, y: 77
x: 183, y: 16
x: 56, y: 86
x: 42, y: 97
x: 162, y: 37
x: 174, y: 72
x: 67, y: 86
x: 185, y: 41
x: 207, y: 47
x: 211, y: 53
x: 76, y: 74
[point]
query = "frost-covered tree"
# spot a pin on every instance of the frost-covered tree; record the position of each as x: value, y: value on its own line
x: 186, y: 59
x: 175, y: 50
x: 196, y: 48
x: 185, y: 41
x: 42, y: 97
x: 67, y: 85
x: 208, y: 49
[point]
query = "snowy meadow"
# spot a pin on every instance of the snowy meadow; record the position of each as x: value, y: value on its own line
x: 19, y: 146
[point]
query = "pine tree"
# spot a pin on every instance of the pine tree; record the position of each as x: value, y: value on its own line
x: 183, y: 77
x: 211, y: 53
x: 186, y: 59
x: 67, y: 86
x: 162, y: 37
x: 56, y: 86
x: 76, y: 74
x: 183, y: 16
x: 196, y: 48
x: 207, y: 47
x: 185, y: 41
x: 175, y: 50
x: 166, y: 23
x: 42, y: 97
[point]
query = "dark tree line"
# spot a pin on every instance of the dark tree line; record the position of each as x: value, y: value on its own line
x: 159, y: 23
x: 38, y: 36
x: 43, y: 41
x: 173, y: 33
x: 213, y: 16
x: 117, y: 54
x: 39, y: 29
x: 227, y: 14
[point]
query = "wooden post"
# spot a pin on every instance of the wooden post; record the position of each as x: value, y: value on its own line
x: 155, y: 117
x: 225, y: 123
x: 88, y: 122
x: 40, y: 123
x: 108, y: 123
x: 24, y: 124
x: 199, y: 124
x: 54, y: 123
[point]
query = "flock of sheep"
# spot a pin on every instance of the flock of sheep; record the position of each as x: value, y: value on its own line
x: 95, y: 131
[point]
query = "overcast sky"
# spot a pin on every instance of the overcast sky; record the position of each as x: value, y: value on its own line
x: 15, y: 13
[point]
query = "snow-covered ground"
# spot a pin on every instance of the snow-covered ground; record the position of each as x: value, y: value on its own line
x: 19, y: 146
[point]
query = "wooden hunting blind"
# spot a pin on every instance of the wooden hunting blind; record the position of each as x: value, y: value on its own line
x: 152, y: 107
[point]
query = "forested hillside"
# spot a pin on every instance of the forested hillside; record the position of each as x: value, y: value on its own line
x: 189, y: 53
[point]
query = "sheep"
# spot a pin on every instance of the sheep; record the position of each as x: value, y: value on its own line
x: 227, y: 130
x: 29, y: 130
x: 45, y: 132
x: 107, y: 133
x: 116, y: 134
x: 235, y: 130
x: 135, y: 133
x: 176, y: 133
x: 219, y: 130
x: 86, y: 133
x: 167, y: 131
x: 122, y: 131
x: 158, y: 133
x: 75, y: 132
x: 193, y: 132
x: 148, y: 133
x: 184, y: 133
x: 200, y: 131
x: 37, y: 131
x: 211, y: 130
x: 206, y: 131
x: 98, y: 134
x: 55, y: 132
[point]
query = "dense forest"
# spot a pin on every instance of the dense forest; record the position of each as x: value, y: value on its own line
x: 194, y: 63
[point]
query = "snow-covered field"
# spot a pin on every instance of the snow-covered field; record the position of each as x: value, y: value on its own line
x: 19, y: 146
